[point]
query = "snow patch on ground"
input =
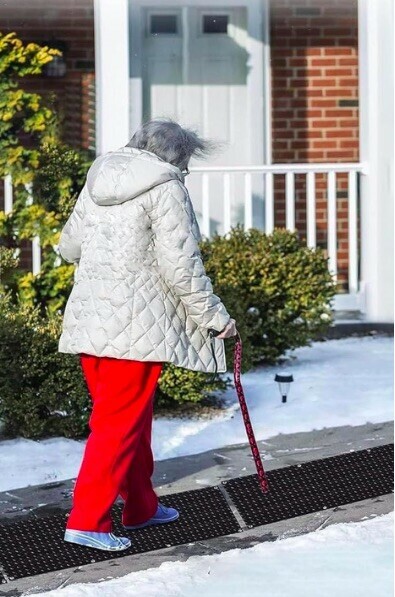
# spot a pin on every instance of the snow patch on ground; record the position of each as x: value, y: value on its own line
x: 343, y: 560
x: 338, y: 382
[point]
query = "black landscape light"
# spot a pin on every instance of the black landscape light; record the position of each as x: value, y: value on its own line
x: 284, y: 383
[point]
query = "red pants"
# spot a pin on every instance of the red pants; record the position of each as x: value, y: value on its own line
x: 118, y: 457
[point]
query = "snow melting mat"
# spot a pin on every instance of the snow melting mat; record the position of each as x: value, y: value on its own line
x: 313, y: 486
x: 35, y: 546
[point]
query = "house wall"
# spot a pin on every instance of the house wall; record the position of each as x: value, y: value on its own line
x: 314, y: 77
x: 314, y: 80
x: 70, y: 21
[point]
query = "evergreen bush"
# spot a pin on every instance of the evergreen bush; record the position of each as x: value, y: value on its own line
x: 278, y: 290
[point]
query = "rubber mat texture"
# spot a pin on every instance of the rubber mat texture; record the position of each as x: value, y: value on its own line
x: 313, y: 486
x: 37, y: 545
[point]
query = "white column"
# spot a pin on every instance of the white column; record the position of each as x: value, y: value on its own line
x: 255, y: 90
x: 112, y: 74
x: 267, y: 85
x: 376, y: 93
x: 137, y: 27
x: 255, y: 81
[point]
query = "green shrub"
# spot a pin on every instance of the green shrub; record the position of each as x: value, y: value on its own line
x: 8, y: 265
x: 35, y: 379
x: 177, y: 385
x: 55, y: 186
x: 43, y: 392
x: 277, y: 289
x: 32, y: 152
x: 25, y: 119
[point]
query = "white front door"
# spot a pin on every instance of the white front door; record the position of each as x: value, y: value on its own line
x: 194, y: 69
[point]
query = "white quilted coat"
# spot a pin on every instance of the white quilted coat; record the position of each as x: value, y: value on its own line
x: 140, y: 288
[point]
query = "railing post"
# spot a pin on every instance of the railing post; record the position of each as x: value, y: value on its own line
x: 332, y: 224
x: 227, y: 203
x: 205, y: 204
x: 290, y: 200
x: 247, y: 201
x: 352, y: 233
x: 36, y: 248
x: 8, y: 194
x: 311, y: 213
x: 269, y: 203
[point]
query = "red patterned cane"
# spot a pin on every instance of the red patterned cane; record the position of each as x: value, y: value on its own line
x: 263, y: 482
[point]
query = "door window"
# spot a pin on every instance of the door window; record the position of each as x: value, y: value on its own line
x: 163, y: 24
x: 214, y: 23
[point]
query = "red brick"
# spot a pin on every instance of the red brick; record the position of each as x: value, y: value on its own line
x: 348, y: 82
x: 323, y: 82
x: 311, y: 134
x: 339, y: 133
x: 309, y: 113
x: 322, y: 103
x: 342, y: 61
x: 337, y: 51
x: 309, y: 92
x: 338, y: 31
x: 339, y: 72
x: 323, y: 123
x: 299, y: 124
x: 341, y: 92
x: 349, y: 143
x: 297, y: 61
x: 283, y: 114
x: 345, y: 155
x: 305, y: 31
x: 307, y: 72
x: 323, y: 62
x: 314, y: 51
x: 341, y: 112
x: 350, y: 122
x: 324, y: 144
x: 285, y: 134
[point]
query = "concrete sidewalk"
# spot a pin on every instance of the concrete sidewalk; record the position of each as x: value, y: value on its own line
x: 202, y: 470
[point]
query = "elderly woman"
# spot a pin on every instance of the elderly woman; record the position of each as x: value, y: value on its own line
x: 141, y: 297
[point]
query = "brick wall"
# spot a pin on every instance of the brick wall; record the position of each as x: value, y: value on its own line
x: 314, y: 64
x: 70, y: 21
x: 314, y: 89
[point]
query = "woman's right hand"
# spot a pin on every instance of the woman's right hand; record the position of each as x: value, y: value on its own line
x: 229, y: 330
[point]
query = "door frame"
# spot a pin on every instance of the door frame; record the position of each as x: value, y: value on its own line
x: 258, y: 77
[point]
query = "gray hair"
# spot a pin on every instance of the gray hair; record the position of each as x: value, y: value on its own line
x: 172, y: 142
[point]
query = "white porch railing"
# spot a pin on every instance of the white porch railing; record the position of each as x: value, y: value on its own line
x: 349, y: 301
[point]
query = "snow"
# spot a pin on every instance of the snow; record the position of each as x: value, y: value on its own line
x: 343, y: 559
x: 338, y: 382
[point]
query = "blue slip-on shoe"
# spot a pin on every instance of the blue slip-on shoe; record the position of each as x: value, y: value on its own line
x: 98, y: 540
x: 163, y: 514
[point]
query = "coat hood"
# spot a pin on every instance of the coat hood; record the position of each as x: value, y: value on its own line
x: 117, y: 176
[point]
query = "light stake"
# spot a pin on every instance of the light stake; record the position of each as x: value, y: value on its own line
x: 284, y: 383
